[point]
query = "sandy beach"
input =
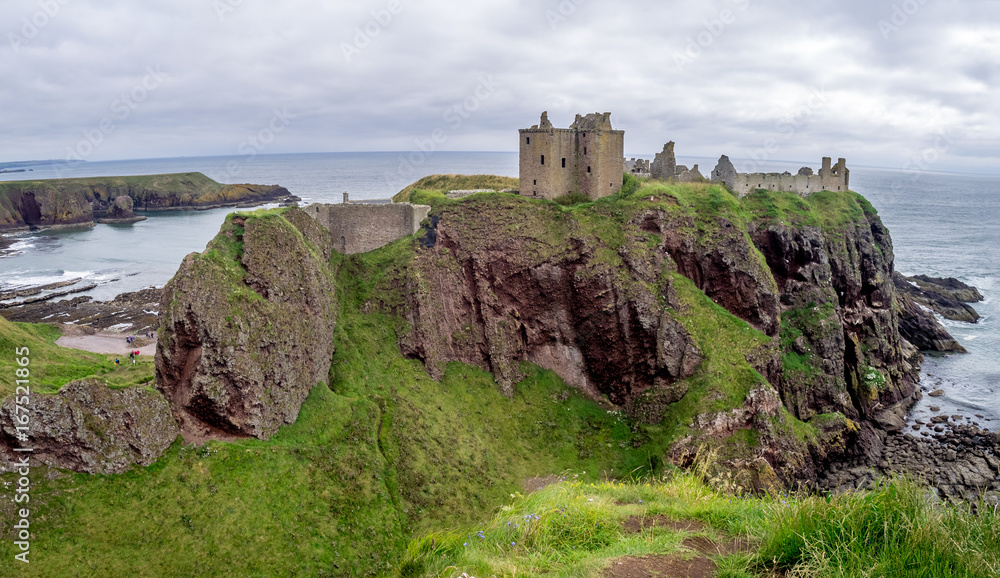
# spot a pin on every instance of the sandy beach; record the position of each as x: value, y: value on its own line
x: 112, y: 343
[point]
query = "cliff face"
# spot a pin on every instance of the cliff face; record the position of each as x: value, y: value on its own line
x: 841, y: 346
x: 591, y: 295
x: 544, y: 290
x: 67, y: 202
x: 33, y: 206
x: 246, y: 328
x: 764, y: 327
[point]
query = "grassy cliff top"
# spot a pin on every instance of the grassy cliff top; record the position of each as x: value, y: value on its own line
x: 445, y: 183
x: 195, y: 182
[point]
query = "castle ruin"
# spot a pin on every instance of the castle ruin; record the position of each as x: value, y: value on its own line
x: 586, y: 158
x: 359, y: 227
x: 830, y: 178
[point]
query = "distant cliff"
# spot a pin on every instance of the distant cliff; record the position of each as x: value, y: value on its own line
x: 71, y: 202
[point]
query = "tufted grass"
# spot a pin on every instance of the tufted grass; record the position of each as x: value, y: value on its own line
x: 575, y: 529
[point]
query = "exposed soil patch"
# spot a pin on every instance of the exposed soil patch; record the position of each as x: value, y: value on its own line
x: 674, y: 565
x: 709, y: 547
x: 636, y: 524
x: 534, y: 484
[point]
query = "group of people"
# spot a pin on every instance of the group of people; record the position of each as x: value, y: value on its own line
x: 132, y: 354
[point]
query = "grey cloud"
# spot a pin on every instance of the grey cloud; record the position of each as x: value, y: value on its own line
x: 717, y: 77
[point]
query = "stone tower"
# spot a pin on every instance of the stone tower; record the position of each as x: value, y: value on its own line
x: 585, y: 158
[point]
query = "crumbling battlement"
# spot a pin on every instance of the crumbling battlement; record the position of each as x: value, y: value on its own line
x: 585, y: 158
x: 363, y: 227
x: 830, y: 178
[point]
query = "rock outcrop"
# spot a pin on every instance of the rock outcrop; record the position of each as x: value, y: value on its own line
x: 121, y: 212
x: 247, y: 327
x: 89, y: 427
x: 946, y: 297
x: 550, y: 294
x: 922, y: 329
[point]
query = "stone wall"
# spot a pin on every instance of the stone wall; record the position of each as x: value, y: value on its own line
x: 830, y: 178
x: 359, y: 228
x: 585, y: 158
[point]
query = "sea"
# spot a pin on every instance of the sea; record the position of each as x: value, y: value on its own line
x: 942, y: 225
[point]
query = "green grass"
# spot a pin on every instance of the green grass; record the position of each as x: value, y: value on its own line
x: 575, y: 529
x: 51, y: 366
x: 828, y: 210
x: 445, y: 183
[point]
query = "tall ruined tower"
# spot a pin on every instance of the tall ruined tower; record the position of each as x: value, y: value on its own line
x: 585, y: 158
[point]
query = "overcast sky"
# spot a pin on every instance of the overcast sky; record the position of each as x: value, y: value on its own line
x: 881, y: 83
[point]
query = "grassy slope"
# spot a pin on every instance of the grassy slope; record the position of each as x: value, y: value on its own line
x: 575, y: 529
x: 53, y: 366
x: 445, y: 183
x: 386, y: 453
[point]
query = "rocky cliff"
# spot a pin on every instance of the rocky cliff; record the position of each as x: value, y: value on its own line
x: 246, y: 328
x: 73, y: 202
x: 591, y: 295
x: 764, y: 327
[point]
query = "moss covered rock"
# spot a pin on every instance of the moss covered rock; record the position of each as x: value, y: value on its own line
x: 89, y: 427
x: 247, y: 328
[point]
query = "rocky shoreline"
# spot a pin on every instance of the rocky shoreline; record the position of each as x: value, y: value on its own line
x: 962, y: 463
x: 133, y: 312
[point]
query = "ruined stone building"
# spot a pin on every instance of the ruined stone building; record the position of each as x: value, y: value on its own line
x: 637, y: 167
x: 585, y: 158
x: 830, y: 178
x: 665, y: 167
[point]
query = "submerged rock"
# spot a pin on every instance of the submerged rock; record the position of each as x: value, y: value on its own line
x: 90, y: 427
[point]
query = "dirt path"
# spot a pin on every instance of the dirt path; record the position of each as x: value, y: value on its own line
x: 693, y: 561
x: 109, y: 343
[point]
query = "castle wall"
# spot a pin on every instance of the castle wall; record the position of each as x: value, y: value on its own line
x: 830, y: 178
x: 362, y: 228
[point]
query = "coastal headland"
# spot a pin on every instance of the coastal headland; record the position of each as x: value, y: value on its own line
x: 672, y: 327
x: 57, y: 203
